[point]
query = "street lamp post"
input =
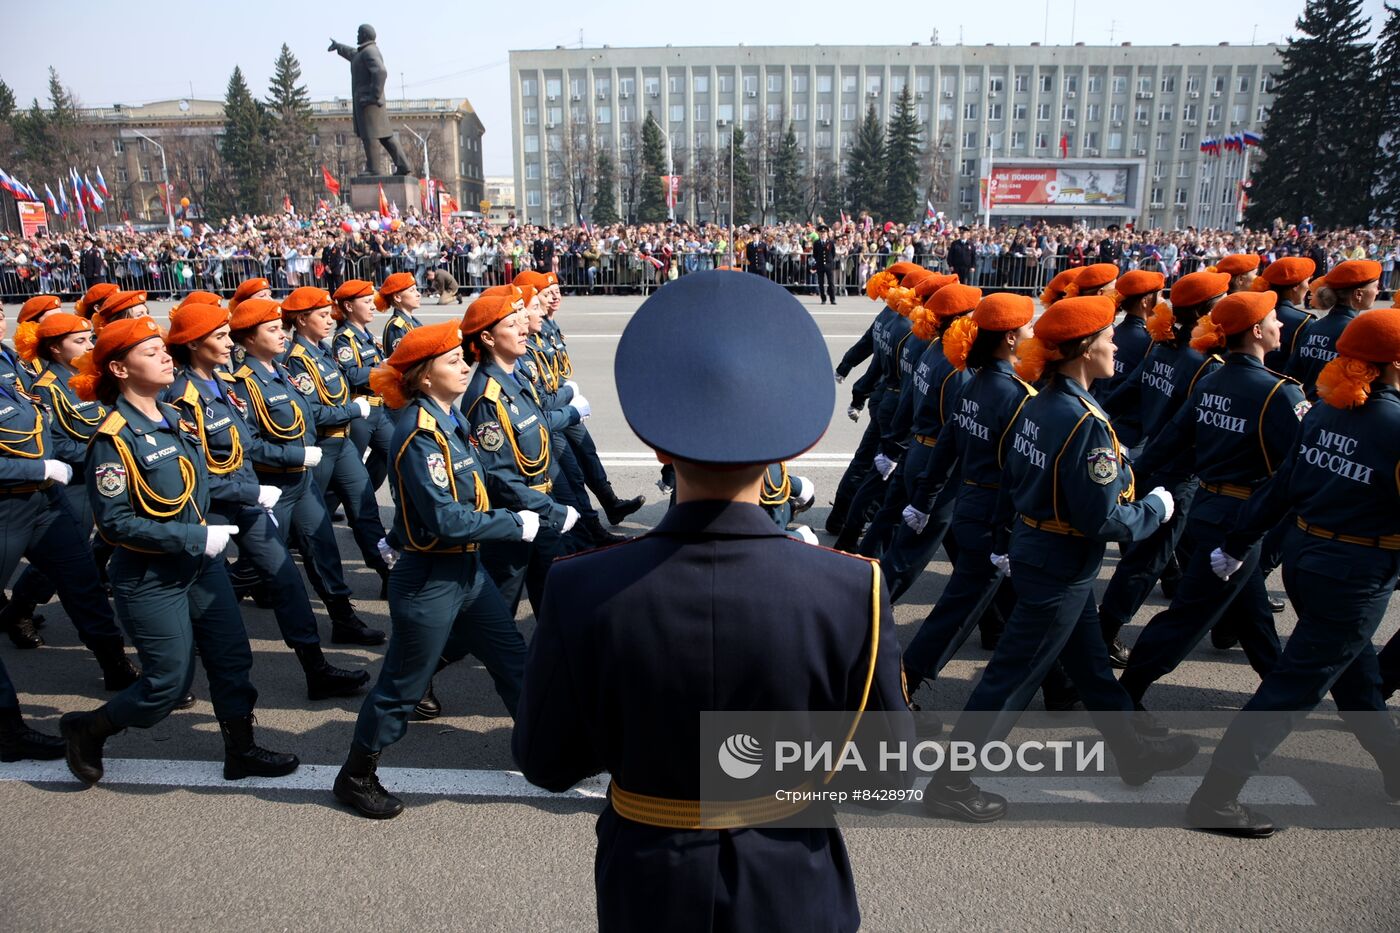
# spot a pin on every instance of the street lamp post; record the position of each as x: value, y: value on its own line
x: 427, y: 174
x: 730, y: 125
x: 165, y: 175
x: 670, y: 173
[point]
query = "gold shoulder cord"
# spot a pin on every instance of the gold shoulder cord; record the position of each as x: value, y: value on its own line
x: 146, y: 499
x: 482, y: 502
x: 321, y: 391
x: 68, y: 415
x: 528, y: 468
x: 234, y: 460
x: 10, y: 437
x: 772, y: 496
x: 287, y: 432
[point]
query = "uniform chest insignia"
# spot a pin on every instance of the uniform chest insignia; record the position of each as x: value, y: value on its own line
x: 238, y: 403
x: 111, y: 479
x: 513, y: 409
x: 345, y: 354
x: 529, y: 368
x: 303, y: 383
x: 490, y: 435
x: 1302, y: 408
x: 189, y: 430
x: 437, y: 470
x: 149, y: 440
x: 209, y: 411
x: 1103, y: 465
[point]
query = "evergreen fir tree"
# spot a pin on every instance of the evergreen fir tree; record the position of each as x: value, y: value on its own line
x: 653, y: 206
x: 7, y: 102
x: 865, y: 173
x: 1321, y: 138
x: 289, y: 105
x: 604, y: 192
x: 244, y: 148
x: 901, y: 195
x: 788, y: 184
x: 1387, y: 105
x: 46, y: 139
x: 743, y: 193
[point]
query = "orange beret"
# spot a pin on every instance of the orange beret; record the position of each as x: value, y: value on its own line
x: 424, y: 343
x: 539, y: 281
x: 58, y: 324
x: 119, y: 336
x: 1199, y: 287
x: 1095, y: 276
x: 93, y: 297
x: 1236, y: 264
x: 1004, y: 311
x: 900, y: 269
x: 353, y: 288
x: 254, y: 311
x: 1353, y: 272
x: 510, y: 291
x: 39, y: 304
x: 1055, y: 288
x: 198, y: 297
x: 305, y: 298
x: 1239, y: 312
x: 1139, y: 282
x: 486, y: 312
x: 195, y: 322
x: 247, y: 289
x: 1072, y: 318
x: 1373, y: 336
x: 929, y: 285
x: 953, y: 300
x: 1290, y: 270
x: 394, y: 284
x: 114, y: 305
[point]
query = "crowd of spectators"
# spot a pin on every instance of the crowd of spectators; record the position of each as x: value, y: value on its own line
x: 331, y: 246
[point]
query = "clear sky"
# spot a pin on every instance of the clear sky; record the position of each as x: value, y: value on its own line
x: 137, y: 51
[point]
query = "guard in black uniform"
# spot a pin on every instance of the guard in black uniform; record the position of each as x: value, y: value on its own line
x: 722, y: 590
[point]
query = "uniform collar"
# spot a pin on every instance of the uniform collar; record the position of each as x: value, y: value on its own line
x: 138, y: 422
x: 307, y: 345
x: 718, y: 518
x: 510, y: 387
x: 1068, y: 386
x: 1243, y: 359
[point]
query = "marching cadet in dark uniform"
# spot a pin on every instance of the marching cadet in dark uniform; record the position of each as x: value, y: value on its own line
x: 868, y: 388
x: 1096, y: 279
x: 585, y: 452
x: 512, y: 434
x: 723, y: 590
x: 1288, y: 278
x: 120, y: 306
x: 1072, y: 490
x: 442, y: 603
x: 37, y: 523
x: 1340, y: 566
x: 286, y: 421
x: 1240, y: 267
x: 172, y: 593
x: 1237, y: 427
x: 358, y: 353
x: 1356, y: 283
x: 92, y: 299
x: 1136, y: 293
x: 31, y: 315
x: 316, y: 375
x: 249, y: 288
x: 203, y: 392
x: 1156, y: 391
x: 18, y: 742
x: 398, y: 295
x: 12, y: 371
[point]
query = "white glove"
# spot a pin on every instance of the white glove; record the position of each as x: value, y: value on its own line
x: 311, y: 456
x: 839, y: 378
x: 218, y: 537
x: 806, y: 534
x: 569, y: 383
x: 853, y: 413
x: 806, y: 490
x: 1168, y: 504
x: 529, y: 525
x: 362, y: 406
x: 1002, y: 562
x: 1223, y: 565
x: 58, y: 471
x: 885, y: 465
x: 387, y: 553
x: 268, y: 496
x: 580, y: 404
x: 570, y: 517
x: 915, y: 519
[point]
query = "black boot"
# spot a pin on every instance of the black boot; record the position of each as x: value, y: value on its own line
x: 118, y: 673
x: 1215, y: 808
x: 346, y: 627
x: 428, y: 707
x: 1222, y: 635
x: 357, y: 785
x: 18, y: 742
x: 599, y: 535
x: 1155, y: 755
x: 617, y: 509
x: 16, y: 618
x: 84, y: 735
x: 963, y: 801
x: 1117, y: 654
x: 248, y: 582
x: 243, y: 758
x: 323, y: 680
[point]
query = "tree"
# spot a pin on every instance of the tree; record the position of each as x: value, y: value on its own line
x: 572, y: 162
x: 653, y: 206
x: 7, y: 103
x: 824, y: 192
x: 46, y: 139
x: 245, y: 148
x: 1321, y: 137
x: 289, y: 152
x: 741, y: 194
x: 604, y: 191
x: 1387, y: 105
x: 865, y: 174
x: 902, y: 145
x: 788, y: 185
x: 633, y: 173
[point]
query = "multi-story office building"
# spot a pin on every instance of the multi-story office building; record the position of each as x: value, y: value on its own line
x: 189, y: 131
x: 1137, y: 113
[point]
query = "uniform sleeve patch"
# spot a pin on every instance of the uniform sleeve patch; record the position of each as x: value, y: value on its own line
x: 1103, y: 465
x: 1302, y: 408
x: 437, y: 470
x: 345, y: 354
x: 490, y: 435
x: 303, y: 383
x: 111, y: 479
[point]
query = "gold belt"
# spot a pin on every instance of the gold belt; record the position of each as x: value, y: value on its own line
x: 926, y: 440
x: 458, y: 549
x: 667, y: 813
x: 1385, y: 542
x: 973, y: 482
x: 341, y: 430
x: 373, y: 400
x: 1053, y: 526
x: 23, y: 489
x: 546, y: 487
x: 267, y: 468
x: 1232, y: 490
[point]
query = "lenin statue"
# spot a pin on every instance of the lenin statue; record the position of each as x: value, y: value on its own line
x: 367, y: 76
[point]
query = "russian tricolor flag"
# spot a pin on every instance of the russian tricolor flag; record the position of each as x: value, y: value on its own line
x: 102, y: 183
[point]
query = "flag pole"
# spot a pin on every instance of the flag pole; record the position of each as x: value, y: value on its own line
x: 1244, y: 177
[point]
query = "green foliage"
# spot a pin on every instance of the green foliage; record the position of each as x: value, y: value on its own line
x: 1387, y: 99
x: 788, y: 184
x: 865, y: 174
x: 246, y: 147
x: 902, y: 144
x: 289, y: 137
x: 653, y: 206
x: 742, y: 196
x: 604, y: 191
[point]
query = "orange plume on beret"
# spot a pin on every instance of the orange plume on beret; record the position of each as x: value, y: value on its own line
x: 958, y: 340
x: 1055, y: 288
x: 878, y: 284
x: 93, y: 297
x: 59, y: 324
x: 1233, y: 314
x: 1032, y: 356
x: 395, y: 283
x: 419, y: 344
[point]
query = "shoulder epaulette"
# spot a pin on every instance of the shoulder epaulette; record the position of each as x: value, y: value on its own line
x: 298, y: 352
x: 226, y: 377
x: 244, y: 372
x: 493, y: 389
x: 426, y: 421
x: 1094, y: 410
x: 112, y: 424
x: 46, y: 380
x: 1031, y: 390
x: 399, y: 321
x: 191, y: 395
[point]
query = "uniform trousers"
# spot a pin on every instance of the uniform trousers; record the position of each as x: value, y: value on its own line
x: 910, y: 551
x: 260, y: 544
x: 1141, y: 563
x: 169, y: 605
x: 8, y: 699
x: 373, y: 434
x: 340, y: 470
x: 585, y: 452
x: 302, y: 519
x: 880, y: 532
x: 861, y: 462
x: 519, y: 567
x: 442, y: 606
x: 871, y: 487
x: 33, y: 586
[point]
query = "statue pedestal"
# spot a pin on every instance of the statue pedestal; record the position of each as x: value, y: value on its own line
x: 402, y: 190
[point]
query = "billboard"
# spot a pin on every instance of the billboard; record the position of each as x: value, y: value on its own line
x: 1074, y: 187
x: 33, y: 217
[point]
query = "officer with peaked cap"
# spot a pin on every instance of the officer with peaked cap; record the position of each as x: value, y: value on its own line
x: 722, y: 591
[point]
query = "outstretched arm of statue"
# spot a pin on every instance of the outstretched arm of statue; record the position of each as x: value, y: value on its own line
x: 345, y: 51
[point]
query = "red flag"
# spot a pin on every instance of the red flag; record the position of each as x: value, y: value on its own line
x: 287, y: 204
x: 383, y: 202
x: 321, y: 204
x: 1064, y: 145
x: 332, y: 185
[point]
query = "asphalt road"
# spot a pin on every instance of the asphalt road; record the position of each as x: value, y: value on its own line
x: 194, y: 853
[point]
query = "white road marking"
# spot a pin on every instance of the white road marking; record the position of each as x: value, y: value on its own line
x: 448, y: 782
x: 647, y: 458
